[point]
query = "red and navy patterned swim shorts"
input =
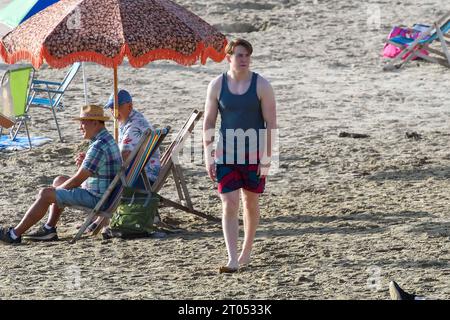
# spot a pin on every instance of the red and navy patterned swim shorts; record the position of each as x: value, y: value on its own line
x: 235, y: 176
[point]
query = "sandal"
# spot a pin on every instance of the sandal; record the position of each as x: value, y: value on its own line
x: 91, y: 227
x: 225, y: 269
x: 107, y: 234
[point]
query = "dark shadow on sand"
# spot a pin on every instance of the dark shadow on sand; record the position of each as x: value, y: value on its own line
x: 378, y: 217
x: 411, y: 263
x: 433, y: 229
x: 439, y: 173
x: 358, y: 223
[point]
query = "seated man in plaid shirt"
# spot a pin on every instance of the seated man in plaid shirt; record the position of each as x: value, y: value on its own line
x: 85, y: 188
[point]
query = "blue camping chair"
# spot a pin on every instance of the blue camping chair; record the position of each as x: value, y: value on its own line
x: 412, y: 47
x: 48, y: 94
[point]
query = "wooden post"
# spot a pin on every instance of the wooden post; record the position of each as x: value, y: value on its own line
x: 184, y: 188
x: 176, y: 179
x: 116, y: 105
x: 84, y: 84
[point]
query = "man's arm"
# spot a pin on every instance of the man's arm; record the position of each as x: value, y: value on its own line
x: 79, y: 159
x: 268, y: 106
x: 129, y: 140
x: 76, y: 180
x: 209, y: 124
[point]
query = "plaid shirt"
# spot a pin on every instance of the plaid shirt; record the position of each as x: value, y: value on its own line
x: 103, y: 159
x: 129, y: 135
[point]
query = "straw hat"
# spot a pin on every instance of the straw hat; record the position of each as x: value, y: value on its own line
x: 92, y: 112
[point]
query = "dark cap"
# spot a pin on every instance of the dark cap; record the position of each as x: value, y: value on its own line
x: 124, y: 97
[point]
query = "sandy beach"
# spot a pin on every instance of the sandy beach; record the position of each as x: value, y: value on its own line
x: 340, y: 218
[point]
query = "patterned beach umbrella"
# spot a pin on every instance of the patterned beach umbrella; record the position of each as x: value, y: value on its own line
x: 107, y: 31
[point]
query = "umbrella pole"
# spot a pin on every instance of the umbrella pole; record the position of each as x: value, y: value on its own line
x: 116, y: 106
x: 85, y: 85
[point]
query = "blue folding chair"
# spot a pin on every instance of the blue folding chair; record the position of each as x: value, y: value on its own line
x: 412, y: 47
x: 48, y: 94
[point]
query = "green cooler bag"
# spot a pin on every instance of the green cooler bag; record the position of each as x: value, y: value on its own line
x: 135, y: 214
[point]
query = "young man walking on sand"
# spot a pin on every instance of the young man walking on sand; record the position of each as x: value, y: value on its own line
x: 241, y: 160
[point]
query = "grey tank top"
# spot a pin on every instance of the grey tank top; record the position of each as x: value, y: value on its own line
x: 242, y: 124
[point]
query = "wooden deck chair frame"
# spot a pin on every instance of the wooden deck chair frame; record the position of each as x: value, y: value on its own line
x: 54, y: 92
x: 17, y: 115
x: 168, y: 166
x: 127, y: 176
x: 414, y: 49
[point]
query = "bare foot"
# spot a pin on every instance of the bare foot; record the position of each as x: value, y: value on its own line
x: 232, y: 265
x: 243, y: 262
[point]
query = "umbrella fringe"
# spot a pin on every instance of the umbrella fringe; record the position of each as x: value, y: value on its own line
x: 201, y: 52
x: 19, y: 56
x: 210, y: 52
x: 83, y: 56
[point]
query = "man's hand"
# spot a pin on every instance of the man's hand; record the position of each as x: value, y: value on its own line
x: 209, y: 161
x: 79, y: 159
x: 263, y: 170
x: 211, y: 169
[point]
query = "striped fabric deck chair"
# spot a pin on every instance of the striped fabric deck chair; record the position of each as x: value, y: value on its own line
x: 170, y: 164
x: 48, y: 94
x: 437, y: 32
x: 126, y: 177
x: 15, y: 87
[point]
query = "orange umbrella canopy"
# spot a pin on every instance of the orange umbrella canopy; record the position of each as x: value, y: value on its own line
x: 107, y: 31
